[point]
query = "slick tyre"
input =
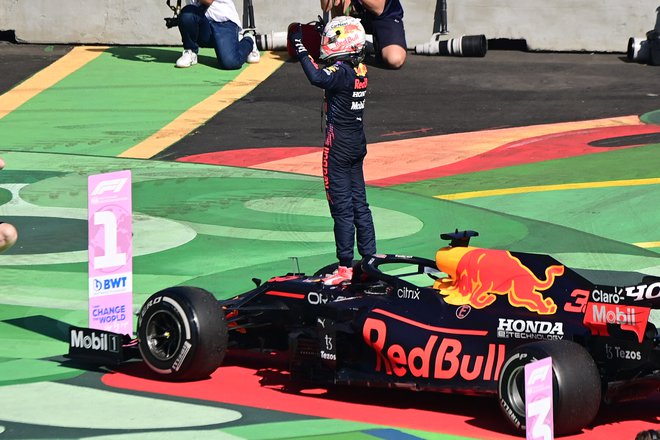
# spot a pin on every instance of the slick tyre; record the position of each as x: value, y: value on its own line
x: 182, y: 333
x: 576, y: 385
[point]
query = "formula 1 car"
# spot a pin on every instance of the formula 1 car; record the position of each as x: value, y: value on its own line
x: 467, y: 322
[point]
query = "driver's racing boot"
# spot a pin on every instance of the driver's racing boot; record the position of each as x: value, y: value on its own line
x: 340, y: 275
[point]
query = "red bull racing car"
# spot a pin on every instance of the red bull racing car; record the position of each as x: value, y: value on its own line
x: 467, y: 322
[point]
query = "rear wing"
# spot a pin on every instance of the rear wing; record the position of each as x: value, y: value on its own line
x: 627, y: 307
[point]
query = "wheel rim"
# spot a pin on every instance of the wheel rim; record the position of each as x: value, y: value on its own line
x: 163, y: 335
x: 516, y: 390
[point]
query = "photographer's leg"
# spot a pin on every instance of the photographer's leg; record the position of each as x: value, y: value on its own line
x: 390, y: 42
x: 194, y: 27
x: 195, y: 31
x: 231, y: 52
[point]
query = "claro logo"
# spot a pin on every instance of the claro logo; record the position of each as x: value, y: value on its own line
x: 438, y: 358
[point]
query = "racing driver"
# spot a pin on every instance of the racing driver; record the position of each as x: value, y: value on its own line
x: 344, y: 81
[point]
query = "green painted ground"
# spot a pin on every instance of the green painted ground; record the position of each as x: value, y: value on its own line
x: 113, y: 103
x: 602, y: 221
x: 215, y: 227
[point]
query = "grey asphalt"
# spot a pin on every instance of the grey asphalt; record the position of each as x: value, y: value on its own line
x: 430, y: 95
x: 434, y: 95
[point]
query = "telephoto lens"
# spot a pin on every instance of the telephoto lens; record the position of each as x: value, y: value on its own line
x: 645, y: 50
x: 638, y: 50
x: 272, y: 41
x: 428, y: 48
x: 653, y: 39
x: 462, y: 46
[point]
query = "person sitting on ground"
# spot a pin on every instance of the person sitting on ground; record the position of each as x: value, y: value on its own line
x: 215, y: 23
x: 381, y: 18
x: 8, y: 233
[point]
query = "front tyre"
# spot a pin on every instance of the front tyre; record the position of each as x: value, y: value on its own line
x: 576, y: 385
x: 182, y: 333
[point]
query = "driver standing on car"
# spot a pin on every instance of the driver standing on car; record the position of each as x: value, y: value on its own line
x: 345, y: 83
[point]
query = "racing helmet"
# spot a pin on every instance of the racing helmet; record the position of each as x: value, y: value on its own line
x: 343, y: 39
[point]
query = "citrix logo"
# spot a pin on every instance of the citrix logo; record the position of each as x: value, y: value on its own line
x: 407, y: 293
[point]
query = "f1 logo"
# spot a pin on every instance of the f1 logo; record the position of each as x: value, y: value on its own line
x: 114, y: 185
x: 539, y: 400
x: 538, y: 374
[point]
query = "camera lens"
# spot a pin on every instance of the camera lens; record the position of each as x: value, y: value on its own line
x: 638, y: 50
x: 272, y: 41
x: 464, y: 46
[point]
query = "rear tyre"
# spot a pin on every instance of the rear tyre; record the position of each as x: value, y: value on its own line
x: 182, y: 333
x: 576, y: 385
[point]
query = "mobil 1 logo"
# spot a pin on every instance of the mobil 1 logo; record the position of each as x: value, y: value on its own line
x: 96, y: 346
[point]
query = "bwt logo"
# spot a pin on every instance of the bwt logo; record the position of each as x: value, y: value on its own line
x: 110, y: 284
x: 114, y: 185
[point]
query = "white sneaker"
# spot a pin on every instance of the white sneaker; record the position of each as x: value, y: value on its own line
x: 187, y: 59
x: 254, y: 56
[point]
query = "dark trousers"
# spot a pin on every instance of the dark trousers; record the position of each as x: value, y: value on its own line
x: 347, y: 198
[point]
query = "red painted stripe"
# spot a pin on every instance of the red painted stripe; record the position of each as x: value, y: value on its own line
x: 453, y: 331
x: 249, y: 156
x: 468, y: 416
x: 286, y: 294
x: 535, y: 149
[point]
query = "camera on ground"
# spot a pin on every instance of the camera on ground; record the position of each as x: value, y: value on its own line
x: 645, y: 50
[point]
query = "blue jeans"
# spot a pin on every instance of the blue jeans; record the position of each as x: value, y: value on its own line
x: 198, y: 31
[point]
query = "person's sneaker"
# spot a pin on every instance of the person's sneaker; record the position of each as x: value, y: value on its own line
x: 340, y: 275
x: 254, y: 56
x: 187, y: 59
